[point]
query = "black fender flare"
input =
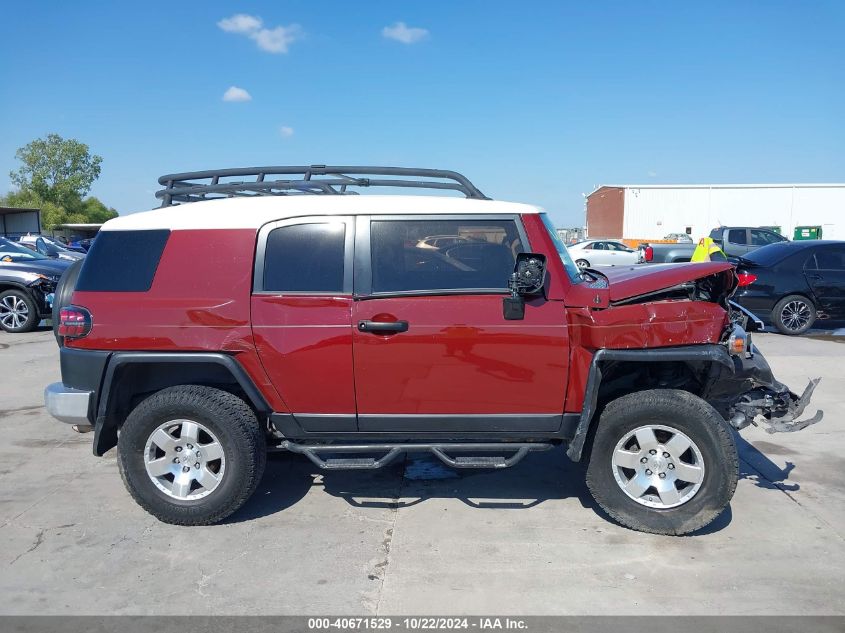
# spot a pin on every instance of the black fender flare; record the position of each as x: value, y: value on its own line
x: 709, y: 353
x: 107, y: 422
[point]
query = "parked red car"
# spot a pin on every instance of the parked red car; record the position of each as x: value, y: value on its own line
x: 251, y: 314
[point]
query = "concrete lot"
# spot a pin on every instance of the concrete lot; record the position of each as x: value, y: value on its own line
x: 416, y: 538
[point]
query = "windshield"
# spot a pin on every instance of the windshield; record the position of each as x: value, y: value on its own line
x: 568, y: 264
x: 11, y: 252
x: 55, y: 243
x: 47, y: 247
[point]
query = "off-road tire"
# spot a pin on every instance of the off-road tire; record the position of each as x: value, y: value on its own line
x: 684, y: 412
x: 238, y: 431
x: 32, y: 318
x: 63, y: 295
x: 778, y: 315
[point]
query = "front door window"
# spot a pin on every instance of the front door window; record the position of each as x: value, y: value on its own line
x: 476, y: 254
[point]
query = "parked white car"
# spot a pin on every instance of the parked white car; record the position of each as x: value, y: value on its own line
x: 49, y: 247
x: 592, y: 253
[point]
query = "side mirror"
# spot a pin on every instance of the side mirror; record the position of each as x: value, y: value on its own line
x: 528, y: 280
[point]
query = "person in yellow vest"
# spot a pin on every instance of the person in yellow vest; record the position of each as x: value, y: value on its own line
x: 708, y: 251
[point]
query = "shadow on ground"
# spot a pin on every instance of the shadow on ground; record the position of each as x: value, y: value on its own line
x: 539, y: 478
x: 757, y: 467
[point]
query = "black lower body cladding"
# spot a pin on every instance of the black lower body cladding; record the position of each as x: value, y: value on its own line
x: 83, y: 369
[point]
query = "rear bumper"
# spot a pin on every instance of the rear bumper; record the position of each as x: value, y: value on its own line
x: 67, y: 404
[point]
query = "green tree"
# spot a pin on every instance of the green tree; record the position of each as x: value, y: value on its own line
x: 57, y: 170
x: 94, y: 211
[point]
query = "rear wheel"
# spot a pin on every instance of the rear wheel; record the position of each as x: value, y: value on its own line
x: 582, y: 263
x: 18, y: 312
x: 662, y: 461
x: 794, y: 314
x: 191, y: 455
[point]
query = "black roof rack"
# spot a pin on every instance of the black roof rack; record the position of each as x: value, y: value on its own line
x: 195, y: 186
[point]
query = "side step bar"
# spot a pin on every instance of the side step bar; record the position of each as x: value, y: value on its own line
x: 516, y: 451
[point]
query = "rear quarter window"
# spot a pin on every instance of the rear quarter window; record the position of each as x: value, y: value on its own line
x: 122, y: 261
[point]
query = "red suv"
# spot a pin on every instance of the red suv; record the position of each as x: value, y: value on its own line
x: 268, y: 308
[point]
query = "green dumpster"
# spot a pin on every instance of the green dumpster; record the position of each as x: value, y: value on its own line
x: 807, y: 233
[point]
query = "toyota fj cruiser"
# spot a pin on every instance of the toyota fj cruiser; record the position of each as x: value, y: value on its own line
x: 246, y: 314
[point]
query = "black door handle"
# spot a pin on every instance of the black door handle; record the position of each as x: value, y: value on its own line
x: 382, y: 327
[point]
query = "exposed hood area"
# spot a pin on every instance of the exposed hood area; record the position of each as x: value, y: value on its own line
x: 647, y: 279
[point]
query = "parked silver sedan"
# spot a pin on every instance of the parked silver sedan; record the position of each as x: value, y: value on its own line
x: 591, y: 253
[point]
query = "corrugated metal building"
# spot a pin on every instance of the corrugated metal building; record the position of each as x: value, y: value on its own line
x: 18, y: 221
x: 643, y: 212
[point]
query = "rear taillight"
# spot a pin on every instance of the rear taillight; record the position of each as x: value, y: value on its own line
x: 745, y: 279
x: 649, y: 253
x: 74, y: 322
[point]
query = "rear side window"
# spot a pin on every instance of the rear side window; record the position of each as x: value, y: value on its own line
x: 831, y: 259
x: 737, y: 236
x: 761, y: 238
x: 305, y: 258
x: 480, y: 256
x: 122, y: 261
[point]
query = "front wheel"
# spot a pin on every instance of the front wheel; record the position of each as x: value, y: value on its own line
x: 582, y: 263
x: 191, y: 455
x: 18, y: 312
x: 662, y: 461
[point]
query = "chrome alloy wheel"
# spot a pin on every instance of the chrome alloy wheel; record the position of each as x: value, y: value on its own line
x: 795, y: 315
x: 658, y: 466
x: 184, y: 460
x: 14, y: 312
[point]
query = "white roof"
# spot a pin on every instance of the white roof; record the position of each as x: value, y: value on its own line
x: 780, y: 185
x: 252, y: 213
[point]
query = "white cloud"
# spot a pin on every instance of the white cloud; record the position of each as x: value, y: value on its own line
x: 275, y: 40
x: 401, y: 32
x: 236, y: 94
x: 240, y: 23
x: 652, y: 173
x: 286, y: 131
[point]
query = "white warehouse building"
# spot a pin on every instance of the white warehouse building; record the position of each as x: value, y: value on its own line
x: 651, y: 212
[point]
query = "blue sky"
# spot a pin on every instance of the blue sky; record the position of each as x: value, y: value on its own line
x: 534, y: 101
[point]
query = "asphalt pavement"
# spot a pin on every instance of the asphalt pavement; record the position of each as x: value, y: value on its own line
x: 416, y: 537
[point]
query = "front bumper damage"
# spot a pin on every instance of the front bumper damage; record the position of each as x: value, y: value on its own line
x: 751, y: 395
x: 778, y: 410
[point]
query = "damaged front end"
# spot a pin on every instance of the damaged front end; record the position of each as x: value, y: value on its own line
x: 750, y: 394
